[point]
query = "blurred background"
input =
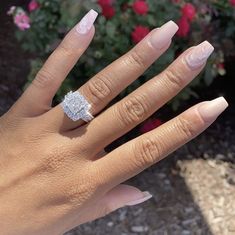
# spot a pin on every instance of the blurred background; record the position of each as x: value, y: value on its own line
x: 194, y: 188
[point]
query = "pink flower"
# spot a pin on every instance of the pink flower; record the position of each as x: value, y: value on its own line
x: 189, y: 11
x: 33, y: 5
x: 150, y: 125
x: 221, y: 69
x: 22, y: 21
x: 139, y: 33
x: 103, y: 3
x: 11, y: 10
x: 140, y: 7
x: 232, y: 2
x: 184, y: 27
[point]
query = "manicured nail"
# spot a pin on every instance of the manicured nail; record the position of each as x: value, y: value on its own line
x: 199, y: 55
x: 146, y: 196
x: 161, y: 37
x: 210, y: 110
x: 86, y: 23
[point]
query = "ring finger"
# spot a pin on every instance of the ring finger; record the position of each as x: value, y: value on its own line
x: 136, y: 107
x: 108, y: 83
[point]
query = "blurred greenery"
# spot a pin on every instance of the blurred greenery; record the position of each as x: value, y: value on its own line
x: 214, y: 21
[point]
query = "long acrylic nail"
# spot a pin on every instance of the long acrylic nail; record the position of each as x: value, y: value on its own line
x: 199, y: 55
x: 161, y: 37
x: 86, y: 23
x: 210, y: 110
x: 146, y: 196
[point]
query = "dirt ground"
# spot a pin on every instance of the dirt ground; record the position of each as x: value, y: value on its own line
x: 194, y: 188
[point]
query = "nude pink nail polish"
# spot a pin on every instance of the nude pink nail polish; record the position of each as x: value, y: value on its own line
x: 161, y: 37
x: 210, y: 110
x: 199, y: 55
x: 146, y: 196
x: 86, y: 23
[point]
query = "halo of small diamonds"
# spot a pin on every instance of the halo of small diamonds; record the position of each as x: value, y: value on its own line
x: 76, y: 107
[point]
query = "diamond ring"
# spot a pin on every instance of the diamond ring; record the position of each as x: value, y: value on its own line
x: 76, y: 107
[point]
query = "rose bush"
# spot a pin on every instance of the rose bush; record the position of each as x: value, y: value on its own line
x: 122, y: 24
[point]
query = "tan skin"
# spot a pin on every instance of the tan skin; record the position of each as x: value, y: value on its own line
x: 54, y: 172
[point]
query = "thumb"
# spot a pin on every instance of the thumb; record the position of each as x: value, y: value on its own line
x: 120, y: 196
x: 124, y: 195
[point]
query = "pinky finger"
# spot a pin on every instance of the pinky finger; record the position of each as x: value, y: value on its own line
x: 136, y: 155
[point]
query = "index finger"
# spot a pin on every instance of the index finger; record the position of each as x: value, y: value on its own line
x: 37, y: 98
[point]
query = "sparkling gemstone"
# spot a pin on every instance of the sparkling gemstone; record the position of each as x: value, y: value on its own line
x: 76, y: 106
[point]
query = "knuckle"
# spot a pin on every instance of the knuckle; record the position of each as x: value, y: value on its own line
x: 66, y: 51
x: 99, y: 178
x: 147, y: 152
x: 82, y: 187
x: 55, y: 159
x: 185, y: 127
x: 80, y: 191
x: 132, y: 109
x: 54, y: 163
x: 136, y: 58
x: 99, y: 88
x: 174, y: 78
x: 43, y: 79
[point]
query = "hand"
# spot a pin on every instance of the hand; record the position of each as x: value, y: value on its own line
x: 54, y: 172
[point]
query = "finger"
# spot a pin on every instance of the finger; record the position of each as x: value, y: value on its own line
x: 139, y: 105
x: 120, y: 196
x: 123, y: 195
x: 140, y: 153
x: 38, y: 97
x: 107, y: 84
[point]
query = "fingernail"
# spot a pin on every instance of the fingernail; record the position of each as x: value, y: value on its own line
x: 86, y: 23
x: 210, y: 110
x: 146, y: 196
x: 161, y: 37
x: 199, y: 55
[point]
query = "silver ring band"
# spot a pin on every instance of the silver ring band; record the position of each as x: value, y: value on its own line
x: 76, y: 107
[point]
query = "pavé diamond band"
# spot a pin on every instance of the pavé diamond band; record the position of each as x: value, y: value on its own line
x: 76, y: 107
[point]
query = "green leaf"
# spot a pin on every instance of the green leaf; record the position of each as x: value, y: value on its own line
x: 110, y: 29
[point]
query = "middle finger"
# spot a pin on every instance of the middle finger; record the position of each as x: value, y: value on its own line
x: 108, y: 83
x: 143, y: 102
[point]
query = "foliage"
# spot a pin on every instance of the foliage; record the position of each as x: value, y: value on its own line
x: 211, y: 20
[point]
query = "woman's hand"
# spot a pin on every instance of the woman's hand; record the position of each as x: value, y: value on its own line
x: 54, y: 172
